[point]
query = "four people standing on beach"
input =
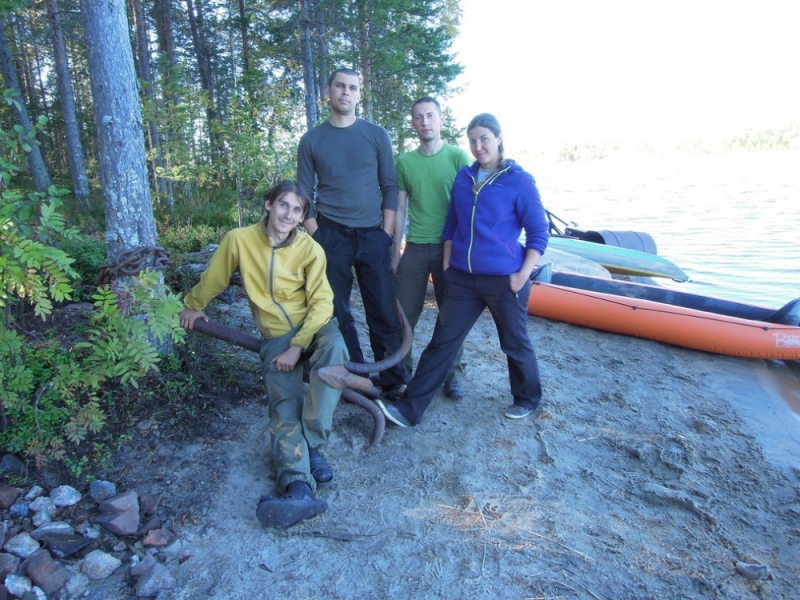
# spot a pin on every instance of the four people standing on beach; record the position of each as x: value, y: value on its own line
x: 485, y: 265
x: 346, y: 166
x: 425, y: 177
x: 464, y: 231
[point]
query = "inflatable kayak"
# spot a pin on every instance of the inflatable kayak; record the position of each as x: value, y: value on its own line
x: 682, y: 319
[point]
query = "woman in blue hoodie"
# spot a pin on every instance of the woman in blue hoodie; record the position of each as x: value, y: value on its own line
x: 491, y: 203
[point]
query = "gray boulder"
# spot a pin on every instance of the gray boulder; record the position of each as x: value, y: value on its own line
x: 99, y: 565
x: 22, y: 545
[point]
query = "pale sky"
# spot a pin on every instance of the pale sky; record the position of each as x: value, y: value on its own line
x: 556, y: 71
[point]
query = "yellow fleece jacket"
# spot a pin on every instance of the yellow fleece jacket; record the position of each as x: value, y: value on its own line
x: 286, y: 285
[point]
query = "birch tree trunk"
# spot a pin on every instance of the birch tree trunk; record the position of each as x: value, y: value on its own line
x: 122, y: 162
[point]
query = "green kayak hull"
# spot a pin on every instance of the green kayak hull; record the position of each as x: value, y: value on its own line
x: 620, y: 261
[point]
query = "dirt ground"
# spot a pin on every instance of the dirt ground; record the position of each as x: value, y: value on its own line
x: 649, y: 472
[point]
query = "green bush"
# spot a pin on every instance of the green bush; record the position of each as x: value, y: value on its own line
x: 53, y: 395
x: 180, y: 239
x: 52, y: 392
x: 89, y: 254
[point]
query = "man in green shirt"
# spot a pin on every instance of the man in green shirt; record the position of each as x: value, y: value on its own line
x: 424, y: 178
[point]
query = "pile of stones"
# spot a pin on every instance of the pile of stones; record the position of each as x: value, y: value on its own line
x: 57, y: 544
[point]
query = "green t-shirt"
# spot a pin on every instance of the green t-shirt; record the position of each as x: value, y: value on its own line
x: 428, y: 180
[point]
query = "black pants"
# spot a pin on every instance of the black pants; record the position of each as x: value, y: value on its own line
x: 465, y: 297
x: 367, y: 250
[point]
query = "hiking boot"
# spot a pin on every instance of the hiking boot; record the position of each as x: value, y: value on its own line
x: 453, y: 389
x: 391, y: 412
x: 299, y: 490
x: 320, y: 470
x: 296, y: 505
x: 515, y: 411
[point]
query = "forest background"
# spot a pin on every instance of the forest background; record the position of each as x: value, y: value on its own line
x: 129, y: 127
x: 135, y: 132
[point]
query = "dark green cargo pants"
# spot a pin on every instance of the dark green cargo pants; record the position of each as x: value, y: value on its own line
x: 298, y: 421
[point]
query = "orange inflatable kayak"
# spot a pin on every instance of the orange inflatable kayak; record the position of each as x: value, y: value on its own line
x: 688, y: 320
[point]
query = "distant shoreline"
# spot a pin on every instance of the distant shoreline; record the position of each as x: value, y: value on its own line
x: 781, y: 139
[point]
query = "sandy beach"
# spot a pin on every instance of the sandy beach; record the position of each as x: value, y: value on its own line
x: 649, y: 471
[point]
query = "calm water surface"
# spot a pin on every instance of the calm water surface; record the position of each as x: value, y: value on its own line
x: 730, y: 221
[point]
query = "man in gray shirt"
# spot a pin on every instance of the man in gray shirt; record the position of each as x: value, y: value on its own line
x: 347, y: 167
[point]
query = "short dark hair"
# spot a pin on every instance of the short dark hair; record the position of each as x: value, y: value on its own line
x: 425, y: 100
x: 343, y: 71
x: 284, y: 187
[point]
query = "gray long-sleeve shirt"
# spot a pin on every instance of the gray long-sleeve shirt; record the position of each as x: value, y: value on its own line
x: 348, y: 172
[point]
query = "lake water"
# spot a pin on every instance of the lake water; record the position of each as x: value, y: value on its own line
x: 730, y: 221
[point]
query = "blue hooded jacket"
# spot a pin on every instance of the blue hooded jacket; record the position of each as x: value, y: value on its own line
x: 485, y: 226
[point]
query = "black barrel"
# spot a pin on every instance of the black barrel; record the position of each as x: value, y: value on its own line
x: 632, y: 240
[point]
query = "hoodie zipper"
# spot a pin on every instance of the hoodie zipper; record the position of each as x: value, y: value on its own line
x: 272, y: 287
x: 487, y: 181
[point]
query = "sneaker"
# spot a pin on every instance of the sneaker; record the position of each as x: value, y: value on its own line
x: 393, y: 413
x: 453, y: 389
x: 515, y: 411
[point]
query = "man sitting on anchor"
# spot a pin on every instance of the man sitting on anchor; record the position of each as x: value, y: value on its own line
x: 283, y: 275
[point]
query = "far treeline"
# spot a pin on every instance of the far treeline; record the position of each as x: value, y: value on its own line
x: 785, y: 138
